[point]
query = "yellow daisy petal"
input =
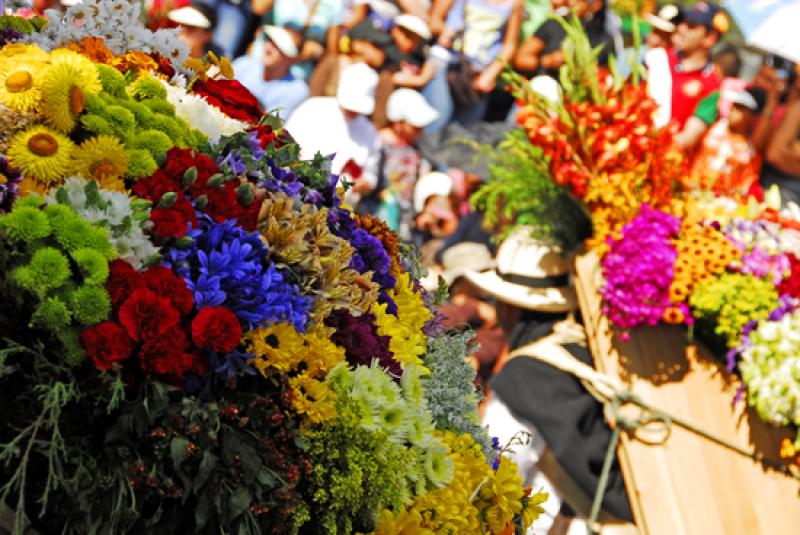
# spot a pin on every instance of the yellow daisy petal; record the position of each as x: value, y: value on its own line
x: 102, y: 158
x: 42, y: 153
x: 64, y: 88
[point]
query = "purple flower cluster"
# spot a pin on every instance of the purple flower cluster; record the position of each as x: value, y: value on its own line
x: 9, y: 184
x: 360, y: 339
x: 760, y: 248
x: 9, y: 35
x: 639, y: 269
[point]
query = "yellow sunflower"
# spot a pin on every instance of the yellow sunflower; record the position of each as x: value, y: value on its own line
x: 20, y: 86
x: 64, y: 88
x: 102, y: 158
x: 42, y: 153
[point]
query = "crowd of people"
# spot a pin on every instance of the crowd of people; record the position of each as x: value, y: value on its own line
x: 384, y: 85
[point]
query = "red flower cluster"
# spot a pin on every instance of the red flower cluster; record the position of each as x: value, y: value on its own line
x: 216, y: 328
x: 615, y: 137
x: 791, y: 284
x: 232, y: 98
x: 190, y: 176
x: 152, y: 314
x: 265, y: 136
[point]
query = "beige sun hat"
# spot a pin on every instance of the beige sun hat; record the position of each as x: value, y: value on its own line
x: 457, y: 260
x: 529, y: 275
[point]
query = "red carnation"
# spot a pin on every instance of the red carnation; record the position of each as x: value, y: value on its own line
x: 154, y: 186
x: 791, y: 284
x: 146, y: 315
x: 166, y: 355
x: 216, y: 328
x: 105, y: 344
x: 168, y: 223
x: 165, y: 283
x: 232, y: 98
x: 122, y: 281
x: 265, y: 135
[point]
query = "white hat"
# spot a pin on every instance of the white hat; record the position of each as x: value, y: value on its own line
x: 743, y: 98
x: 282, y: 40
x: 547, y: 87
x: 431, y: 184
x: 356, y: 91
x: 189, y: 16
x: 410, y: 106
x: 663, y: 21
x: 456, y: 260
x: 529, y: 274
x: 413, y: 24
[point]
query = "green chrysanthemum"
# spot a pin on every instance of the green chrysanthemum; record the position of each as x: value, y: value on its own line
x: 91, y: 304
x: 153, y: 141
x: 140, y: 163
x: 394, y: 421
x: 112, y: 80
x: 25, y: 224
x: 147, y: 87
x: 438, y: 466
x: 160, y: 107
x: 52, y: 314
x: 49, y: 269
x: 92, y: 264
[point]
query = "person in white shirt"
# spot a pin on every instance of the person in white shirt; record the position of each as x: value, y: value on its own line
x: 340, y: 126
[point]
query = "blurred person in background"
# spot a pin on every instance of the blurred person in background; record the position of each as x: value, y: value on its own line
x: 436, y: 205
x: 777, y: 76
x: 486, y: 32
x: 686, y: 69
x: 236, y: 25
x: 782, y: 166
x: 197, y: 22
x: 266, y: 71
x: 727, y: 162
x: 400, y: 162
x: 662, y: 27
x: 340, y: 126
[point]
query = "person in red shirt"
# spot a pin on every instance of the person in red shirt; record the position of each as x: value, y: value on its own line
x: 690, y: 72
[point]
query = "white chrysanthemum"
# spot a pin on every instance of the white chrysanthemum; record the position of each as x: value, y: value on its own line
x: 114, y: 212
x: 201, y: 115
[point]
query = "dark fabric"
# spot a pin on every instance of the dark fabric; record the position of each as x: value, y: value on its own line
x: 535, y: 282
x: 570, y: 420
x: 552, y: 34
x: 395, y: 58
x: 788, y: 184
x: 469, y: 229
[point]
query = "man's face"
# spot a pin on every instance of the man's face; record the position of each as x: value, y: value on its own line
x: 406, y: 41
x: 196, y: 38
x: 741, y: 118
x: 690, y: 38
x: 272, y: 56
x: 408, y: 132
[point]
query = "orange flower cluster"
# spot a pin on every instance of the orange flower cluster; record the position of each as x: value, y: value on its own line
x: 703, y: 252
x: 95, y: 49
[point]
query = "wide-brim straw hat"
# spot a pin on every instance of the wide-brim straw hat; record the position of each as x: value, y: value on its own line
x: 529, y: 274
x: 457, y: 260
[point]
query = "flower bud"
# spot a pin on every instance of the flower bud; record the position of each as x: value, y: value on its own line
x: 168, y: 199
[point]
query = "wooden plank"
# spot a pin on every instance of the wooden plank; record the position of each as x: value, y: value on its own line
x: 686, y: 484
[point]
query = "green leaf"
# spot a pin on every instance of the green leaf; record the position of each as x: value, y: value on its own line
x: 207, y: 465
x: 204, y: 510
x: 179, y: 450
x: 266, y: 478
x: 239, y: 502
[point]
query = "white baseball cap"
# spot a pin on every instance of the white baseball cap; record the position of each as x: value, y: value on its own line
x: 410, y: 106
x: 431, y: 184
x: 356, y: 91
x: 413, y: 24
x: 189, y: 16
x: 282, y: 40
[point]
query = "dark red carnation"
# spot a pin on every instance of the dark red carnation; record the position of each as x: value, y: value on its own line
x: 361, y: 342
x: 232, y: 98
x: 168, y: 223
x: 166, y: 354
x: 178, y: 160
x: 185, y: 207
x: 123, y: 279
x: 265, y: 135
x: 154, y: 186
x: 165, y: 283
x: 791, y: 284
x: 106, y: 344
x: 216, y: 328
x: 146, y: 315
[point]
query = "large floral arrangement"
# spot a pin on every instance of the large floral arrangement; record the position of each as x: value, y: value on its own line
x: 670, y: 252
x: 197, y: 335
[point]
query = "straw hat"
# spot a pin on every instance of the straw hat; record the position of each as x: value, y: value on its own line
x: 529, y: 274
x: 457, y: 260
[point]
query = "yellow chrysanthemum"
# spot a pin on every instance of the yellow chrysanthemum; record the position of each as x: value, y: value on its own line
x: 407, y: 522
x: 42, y: 153
x: 407, y: 340
x: 506, y: 495
x: 64, y: 88
x: 20, y: 86
x: 102, y: 158
x: 16, y: 53
x: 281, y: 348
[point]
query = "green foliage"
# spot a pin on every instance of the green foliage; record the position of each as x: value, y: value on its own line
x: 519, y: 191
x: 21, y: 24
x: 449, y: 389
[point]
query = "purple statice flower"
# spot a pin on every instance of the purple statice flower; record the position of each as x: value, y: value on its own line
x: 639, y: 270
x: 225, y: 265
x: 9, y: 35
x: 359, y: 337
x: 9, y: 184
x: 276, y: 179
x: 761, y: 249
